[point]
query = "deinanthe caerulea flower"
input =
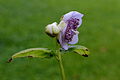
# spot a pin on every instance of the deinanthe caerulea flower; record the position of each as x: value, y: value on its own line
x: 68, y: 29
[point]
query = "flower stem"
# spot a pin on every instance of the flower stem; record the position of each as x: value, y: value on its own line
x: 59, y: 59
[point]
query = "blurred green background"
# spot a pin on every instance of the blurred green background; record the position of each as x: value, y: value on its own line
x: 22, y: 24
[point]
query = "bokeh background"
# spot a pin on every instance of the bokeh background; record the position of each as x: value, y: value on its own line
x: 22, y: 24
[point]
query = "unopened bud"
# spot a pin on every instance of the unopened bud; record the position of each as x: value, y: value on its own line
x: 52, y: 29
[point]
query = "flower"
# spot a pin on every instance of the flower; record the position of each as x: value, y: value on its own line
x: 68, y: 29
x: 52, y: 29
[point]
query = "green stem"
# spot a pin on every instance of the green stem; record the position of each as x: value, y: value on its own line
x: 61, y: 66
x: 59, y: 59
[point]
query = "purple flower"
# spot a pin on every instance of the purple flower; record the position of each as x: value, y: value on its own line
x: 68, y: 29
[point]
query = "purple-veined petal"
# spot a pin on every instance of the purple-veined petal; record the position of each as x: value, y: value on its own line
x: 73, y: 14
x: 62, y: 25
x: 74, y: 39
x: 63, y: 44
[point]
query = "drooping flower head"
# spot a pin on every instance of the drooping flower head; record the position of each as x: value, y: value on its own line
x: 68, y: 29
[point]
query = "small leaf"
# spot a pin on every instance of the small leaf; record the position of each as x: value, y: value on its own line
x: 82, y: 50
x: 33, y: 52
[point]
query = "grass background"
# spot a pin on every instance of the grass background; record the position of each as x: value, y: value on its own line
x: 22, y: 25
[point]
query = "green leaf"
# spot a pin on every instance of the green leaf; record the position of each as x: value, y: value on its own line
x: 33, y: 52
x: 81, y: 50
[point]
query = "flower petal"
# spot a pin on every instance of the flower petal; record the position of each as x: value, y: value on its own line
x: 63, y: 44
x: 74, y: 39
x: 73, y: 14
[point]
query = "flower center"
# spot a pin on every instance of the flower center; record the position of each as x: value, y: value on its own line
x: 71, y: 27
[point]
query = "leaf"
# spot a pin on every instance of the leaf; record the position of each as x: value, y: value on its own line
x: 82, y: 50
x: 33, y: 52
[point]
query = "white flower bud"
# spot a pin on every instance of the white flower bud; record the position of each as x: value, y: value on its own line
x: 52, y: 29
